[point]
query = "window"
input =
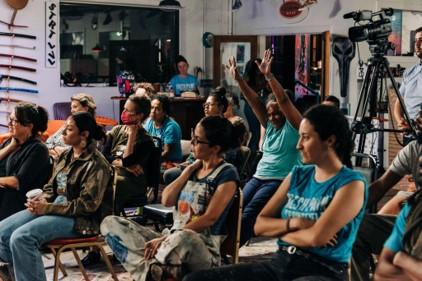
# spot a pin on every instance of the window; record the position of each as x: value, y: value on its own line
x: 98, y: 41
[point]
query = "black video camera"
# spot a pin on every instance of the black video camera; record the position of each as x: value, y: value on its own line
x: 375, y: 31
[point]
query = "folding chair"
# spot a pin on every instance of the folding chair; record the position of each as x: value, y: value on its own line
x: 58, y: 246
x: 230, y: 248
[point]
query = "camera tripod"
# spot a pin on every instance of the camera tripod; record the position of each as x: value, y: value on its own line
x: 371, y: 106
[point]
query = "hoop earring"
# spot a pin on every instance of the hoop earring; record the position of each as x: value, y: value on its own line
x: 83, y: 144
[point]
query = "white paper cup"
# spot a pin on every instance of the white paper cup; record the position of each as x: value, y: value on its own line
x: 34, y: 193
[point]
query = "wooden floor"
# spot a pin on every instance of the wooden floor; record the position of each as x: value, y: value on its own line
x: 258, y: 250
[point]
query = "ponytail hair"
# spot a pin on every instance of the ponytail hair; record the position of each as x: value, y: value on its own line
x: 219, y: 131
x: 219, y: 95
x: 329, y: 121
x: 28, y: 113
x: 86, y: 122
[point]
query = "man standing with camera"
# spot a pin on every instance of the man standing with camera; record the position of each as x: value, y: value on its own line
x: 411, y: 87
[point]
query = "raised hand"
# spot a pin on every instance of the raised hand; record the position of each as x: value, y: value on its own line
x: 265, y: 65
x: 232, y: 69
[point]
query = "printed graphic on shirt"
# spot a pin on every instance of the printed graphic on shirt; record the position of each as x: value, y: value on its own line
x: 191, y: 204
x: 309, y: 208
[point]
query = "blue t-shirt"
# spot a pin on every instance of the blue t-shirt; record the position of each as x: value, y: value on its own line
x: 308, y: 199
x: 186, y: 84
x: 279, y: 152
x: 395, y: 242
x: 169, y: 133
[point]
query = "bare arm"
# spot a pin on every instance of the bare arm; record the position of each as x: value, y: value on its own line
x: 398, y: 116
x: 287, y: 107
x: 166, y: 151
x: 250, y: 95
x: 386, y: 270
x: 346, y: 204
x: 132, y: 131
x: 8, y: 149
x: 411, y: 267
x: 379, y: 187
x: 219, y: 201
x: 9, y: 182
x: 171, y: 192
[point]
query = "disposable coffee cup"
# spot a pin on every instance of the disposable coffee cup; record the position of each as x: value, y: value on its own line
x: 34, y: 193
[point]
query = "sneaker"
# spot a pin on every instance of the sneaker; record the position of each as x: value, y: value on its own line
x: 5, y: 272
x: 92, y: 258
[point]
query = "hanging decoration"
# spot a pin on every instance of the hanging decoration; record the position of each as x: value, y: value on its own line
x: 16, y: 5
x: 51, y: 31
x: 294, y: 11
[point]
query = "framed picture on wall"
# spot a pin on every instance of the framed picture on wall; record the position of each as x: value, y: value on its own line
x: 240, y: 53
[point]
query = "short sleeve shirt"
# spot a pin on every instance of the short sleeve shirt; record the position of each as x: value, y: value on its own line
x: 183, y: 84
x: 395, y: 242
x: 406, y: 161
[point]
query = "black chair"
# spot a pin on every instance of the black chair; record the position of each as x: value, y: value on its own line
x: 61, y: 110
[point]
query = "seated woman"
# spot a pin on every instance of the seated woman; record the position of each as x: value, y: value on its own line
x: 128, y: 147
x: 182, y: 81
x: 161, y: 125
x: 281, y: 120
x: 401, y: 257
x: 215, y: 105
x: 24, y: 158
x: 80, y: 180
x: 144, y: 88
x: 315, y: 212
x: 201, y: 195
x: 79, y: 103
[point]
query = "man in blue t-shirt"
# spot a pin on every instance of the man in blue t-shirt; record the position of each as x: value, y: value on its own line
x: 162, y: 126
x: 394, y: 263
x: 183, y: 82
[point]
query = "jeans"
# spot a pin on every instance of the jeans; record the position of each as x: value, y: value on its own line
x: 282, y: 267
x: 256, y: 194
x: 373, y: 232
x: 22, y: 234
x: 171, y: 174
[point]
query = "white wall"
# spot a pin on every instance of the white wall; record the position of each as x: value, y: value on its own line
x: 191, y: 29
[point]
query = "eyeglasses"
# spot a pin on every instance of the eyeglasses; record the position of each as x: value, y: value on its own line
x: 13, y: 121
x: 195, y: 140
x: 208, y: 104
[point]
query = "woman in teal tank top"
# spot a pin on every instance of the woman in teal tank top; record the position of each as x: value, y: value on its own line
x: 315, y: 212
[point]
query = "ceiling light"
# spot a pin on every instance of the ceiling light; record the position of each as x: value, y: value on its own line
x: 170, y: 4
x: 236, y: 5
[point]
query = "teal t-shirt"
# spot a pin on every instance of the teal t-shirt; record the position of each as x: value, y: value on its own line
x: 279, y: 152
x: 395, y: 242
x: 169, y: 133
x: 308, y: 199
x: 186, y: 84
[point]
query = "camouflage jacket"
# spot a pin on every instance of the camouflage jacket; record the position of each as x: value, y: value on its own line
x: 88, y: 189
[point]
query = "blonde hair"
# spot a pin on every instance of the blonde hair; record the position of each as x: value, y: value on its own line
x: 148, y: 87
x: 85, y: 100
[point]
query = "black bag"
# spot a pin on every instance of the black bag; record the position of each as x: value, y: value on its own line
x: 412, y: 239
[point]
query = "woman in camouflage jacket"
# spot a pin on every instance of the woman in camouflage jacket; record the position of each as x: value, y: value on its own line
x: 79, y: 184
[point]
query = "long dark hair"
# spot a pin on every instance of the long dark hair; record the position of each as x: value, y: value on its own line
x: 86, y: 122
x: 219, y: 131
x: 27, y: 113
x: 327, y: 121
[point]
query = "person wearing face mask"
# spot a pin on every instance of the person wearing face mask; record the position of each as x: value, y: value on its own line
x: 128, y: 147
x: 182, y: 81
x: 281, y: 120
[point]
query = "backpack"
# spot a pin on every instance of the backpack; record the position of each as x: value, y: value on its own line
x: 412, y: 239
